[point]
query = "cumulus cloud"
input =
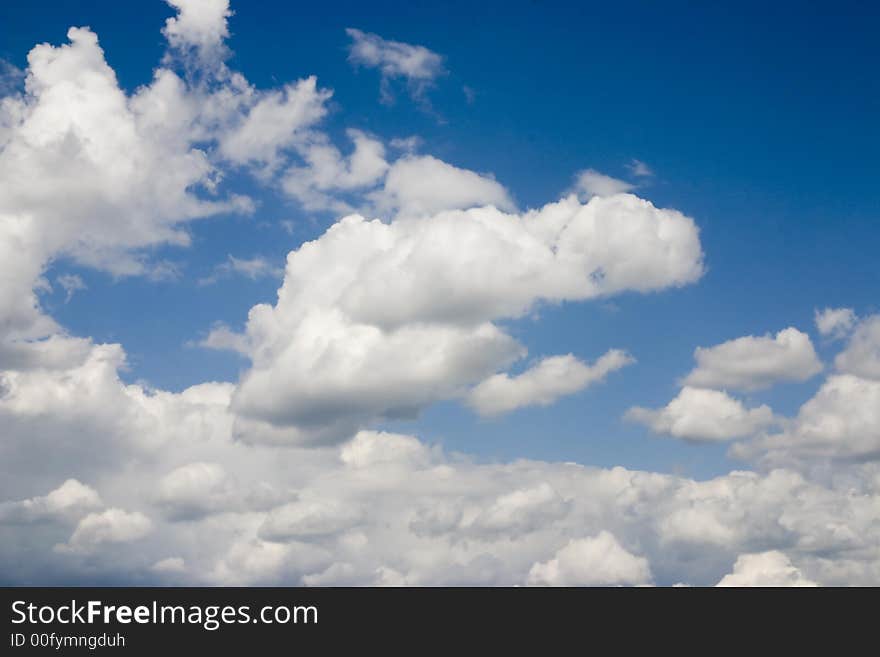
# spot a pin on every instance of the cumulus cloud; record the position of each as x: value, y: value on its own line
x: 597, y: 561
x: 378, y: 320
x: 69, y: 499
x: 592, y: 183
x: 195, y: 489
x: 416, y: 65
x: 278, y: 120
x: 862, y: 354
x: 223, y: 338
x: 771, y: 568
x: 752, y: 363
x: 543, y: 383
x: 326, y: 173
x: 390, y: 509
x: 92, y: 174
x: 703, y: 415
x: 110, y: 526
x: 835, y: 322
x: 424, y: 185
x: 840, y: 422
x: 200, y: 28
x: 307, y: 519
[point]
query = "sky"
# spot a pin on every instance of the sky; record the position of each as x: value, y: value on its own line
x: 515, y: 293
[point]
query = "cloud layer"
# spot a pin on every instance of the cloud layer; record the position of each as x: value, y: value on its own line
x: 410, y: 298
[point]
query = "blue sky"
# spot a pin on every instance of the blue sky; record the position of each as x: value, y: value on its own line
x: 760, y: 124
x: 739, y: 133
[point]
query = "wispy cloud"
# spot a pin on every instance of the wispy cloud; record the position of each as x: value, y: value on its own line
x: 71, y: 284
x: 251, y: 268
x: 416, y: 65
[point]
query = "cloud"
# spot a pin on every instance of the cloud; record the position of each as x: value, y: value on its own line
x: 752, y: 363
x: 862, y: 354
x: 93, y: 175
x: 307, y: 519
x: 327, y: 172
x: 596, y: 561
x: 841, y: 421
x: 639, y: 169
x: 702, y: 415
x: 250, y: 268
x: 543, y: 383
x: 835, y: 322
x: 195, y: 489
x: 374, y: 321
x: 110, y: 526
x: 416, y: 65
x: 388, y: 508
x: 378, y: 320
x: 513, y: 514
x: 71, y: 283
x: 592, y: 183
x: 223, y: 338
x: 169, y: 565
x: 424, y: 185
x: 280, y: 119
x: 72, y: 498
x: 771, y: 568
x: 198, y: 489
x: 371, y: 449
x: 200, y: 27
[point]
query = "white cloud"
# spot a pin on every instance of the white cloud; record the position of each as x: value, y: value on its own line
x: 374, y: 320
x: 198, y: 489
x: 704, y: 415
x: 424, y: 185
x: 597, y: 561
x: 200, y: 26
x: 516, y: 513
x: 169, y: 565
x: 307, y: 519
x: 251, y: 268
x: 835, y: 322
x: 378, y: 320
x: 640, y: 169
x: 862, y: 354
x: 279, y: 120
x: 752, y: 363
x: 841, y: 421
x: 592, y: 183
x: 195, y: 489
x: 71, y: 283
x: 92, y: 175
x: 223, y: 338
x: 69, y: 499
x: 543, y: 383
x: 417, y: 65
x: 110, y: 526
x: 327, y: 173
x: 771, y: 568
x: 370, y: 449
x: 386, y: 508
